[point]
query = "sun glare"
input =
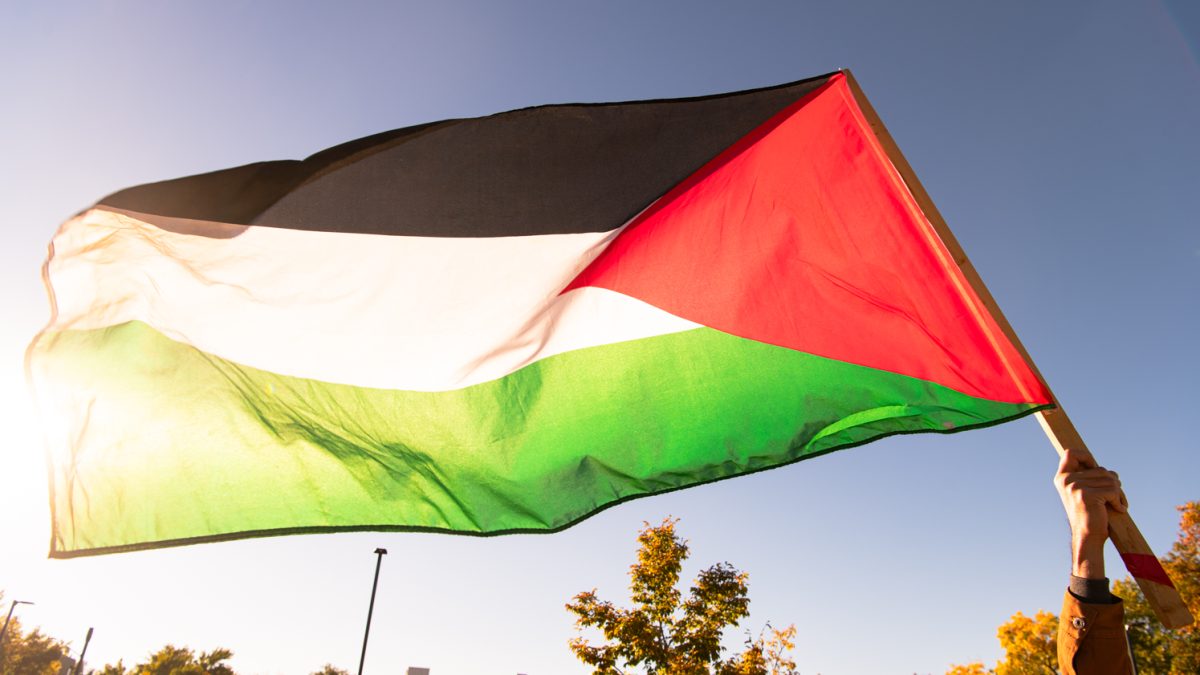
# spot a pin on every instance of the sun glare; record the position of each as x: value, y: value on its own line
x: 23, y: 493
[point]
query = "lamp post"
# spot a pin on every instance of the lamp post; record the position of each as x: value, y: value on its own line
x: 379, y: 552
x: 9, y: 618
x: 86, y: 641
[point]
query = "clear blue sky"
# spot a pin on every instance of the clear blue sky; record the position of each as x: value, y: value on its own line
x: 1060, y: 141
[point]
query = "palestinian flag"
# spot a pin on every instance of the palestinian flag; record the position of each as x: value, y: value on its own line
x: 503, y: 324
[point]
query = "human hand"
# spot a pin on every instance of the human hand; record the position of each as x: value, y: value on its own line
x: 1087, y: 492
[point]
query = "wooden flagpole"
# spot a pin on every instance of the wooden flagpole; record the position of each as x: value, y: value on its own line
x: 1135, y: 552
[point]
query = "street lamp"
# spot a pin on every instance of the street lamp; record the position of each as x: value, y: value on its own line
x: 86, y: 641
x: 9, y: 618
x: 379, y: 553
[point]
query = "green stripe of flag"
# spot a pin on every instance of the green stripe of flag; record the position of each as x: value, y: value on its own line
x: 219, y: 450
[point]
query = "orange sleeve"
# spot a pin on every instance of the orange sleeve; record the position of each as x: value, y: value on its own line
x: 1091, y: 639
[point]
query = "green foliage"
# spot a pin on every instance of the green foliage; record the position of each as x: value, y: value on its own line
x: 29, y: 653
x: 172, y: 660
x: 666, y: 634
x: 32, y: 653
x: 112, y: 669
x: 330, y: 669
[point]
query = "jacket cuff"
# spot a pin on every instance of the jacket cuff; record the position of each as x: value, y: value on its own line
x: 1093, y: 591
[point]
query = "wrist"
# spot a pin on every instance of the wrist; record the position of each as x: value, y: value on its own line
x: 1087, y: 559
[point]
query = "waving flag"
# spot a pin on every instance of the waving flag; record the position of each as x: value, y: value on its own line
x: 502, y: 324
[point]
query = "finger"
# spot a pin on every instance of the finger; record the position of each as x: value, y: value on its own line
x: 1093, y: 473
x: 1067, y: 464
x: 1115, y: 500
x: 1090, y: 477
x: 1099, y: 491
x: 1097, y: 483
x: 1085, y: 458
x: 1074, y: 459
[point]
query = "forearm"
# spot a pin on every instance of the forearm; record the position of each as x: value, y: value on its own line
x: 1091, y: 631
x: 1087, y: 554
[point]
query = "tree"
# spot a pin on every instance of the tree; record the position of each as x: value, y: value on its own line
x: 976, y: 668
x: 330, y: 669
x: 117, y: 668
x: 1030, y: 645
x: 768, y: 654
x: 1157, y: 650
x: 28, y: 653
x: 665, y: 634
x: 34, y: 653
x: 172, y: 660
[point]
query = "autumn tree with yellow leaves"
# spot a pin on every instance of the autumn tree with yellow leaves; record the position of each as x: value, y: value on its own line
x: 1029, y: 648
x: 1029, y: 645
x: 1157, y: 650
x: 969, y: 669
x: 667, y: 634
